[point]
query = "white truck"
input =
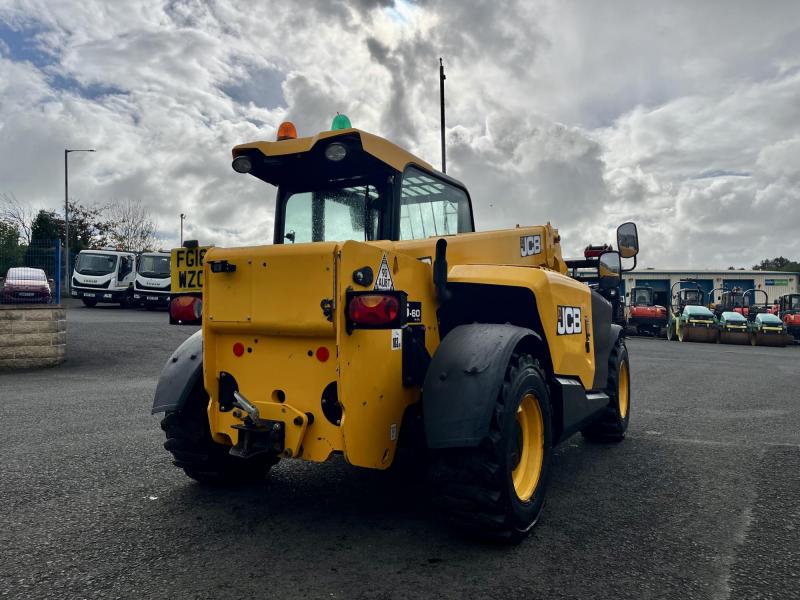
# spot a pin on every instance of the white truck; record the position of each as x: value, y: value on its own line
x: 104, y: 276
x: 152, y: 286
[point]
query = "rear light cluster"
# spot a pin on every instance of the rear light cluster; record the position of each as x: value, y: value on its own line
x: 185, y: 310
x: 370, y: 310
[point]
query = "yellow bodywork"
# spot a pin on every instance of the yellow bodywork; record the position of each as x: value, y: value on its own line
x: 386, y: 151
x: 273, y: 304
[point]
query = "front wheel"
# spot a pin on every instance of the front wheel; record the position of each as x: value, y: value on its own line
x: 670, y: 332
x: 496, y: 491
x: 613, y: 422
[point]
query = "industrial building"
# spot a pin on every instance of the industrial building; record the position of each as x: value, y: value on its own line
x: 774, y: 283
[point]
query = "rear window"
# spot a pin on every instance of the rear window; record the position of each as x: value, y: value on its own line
x: 28, y: 273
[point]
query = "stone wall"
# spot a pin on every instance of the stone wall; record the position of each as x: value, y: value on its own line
x: 32, y: 336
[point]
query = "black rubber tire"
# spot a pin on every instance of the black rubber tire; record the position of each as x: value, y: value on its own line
x: 189, y: 440
x: 474, y: 486
x: 89, y: 302
x: 611, y: 425
x: 670, y: 332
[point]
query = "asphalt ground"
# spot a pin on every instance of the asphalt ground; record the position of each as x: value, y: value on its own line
x: 702, y: 500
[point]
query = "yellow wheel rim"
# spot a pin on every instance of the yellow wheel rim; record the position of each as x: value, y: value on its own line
x: 530, y: 448
x: 623, y: 394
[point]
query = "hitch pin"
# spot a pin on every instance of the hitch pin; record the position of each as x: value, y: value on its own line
x: 246, y: 406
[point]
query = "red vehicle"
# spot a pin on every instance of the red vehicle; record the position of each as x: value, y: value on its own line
x: 789, y: 313
x: 642, y: 314
x: 26, y: 285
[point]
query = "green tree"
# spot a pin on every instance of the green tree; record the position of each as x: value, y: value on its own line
x: 9, y: 247
x: 87, y: 227
x: 47, y: 226
x: 779, y: 263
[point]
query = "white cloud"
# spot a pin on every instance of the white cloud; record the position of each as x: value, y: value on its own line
x: 681, y: 116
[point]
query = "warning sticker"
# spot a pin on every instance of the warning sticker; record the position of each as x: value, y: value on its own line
x: 384, y: 281
x: 397, y: 339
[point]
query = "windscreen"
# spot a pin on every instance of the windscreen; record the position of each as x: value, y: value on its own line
x: 25, y: 274
x: 156, y: 267
x: 794, y: 302
x: 643, y: 297
x: 96, y: 264
x: 333, y: 214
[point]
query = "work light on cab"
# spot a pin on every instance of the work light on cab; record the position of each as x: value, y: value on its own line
x: 335, y: 152
x: 242, y: 164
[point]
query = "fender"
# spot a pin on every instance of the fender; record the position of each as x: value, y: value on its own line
x: 464, y: 379
x: 179, y: 376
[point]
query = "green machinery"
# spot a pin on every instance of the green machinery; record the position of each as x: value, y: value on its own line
x: 689, y: 319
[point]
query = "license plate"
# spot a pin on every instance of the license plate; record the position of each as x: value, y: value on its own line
x: 26, y: 293
x: 187, y: 269
x: 152, y: 297
x: 85, y: 295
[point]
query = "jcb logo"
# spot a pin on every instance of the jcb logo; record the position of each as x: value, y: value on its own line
x: 530, y: 245
x: 569, y: 320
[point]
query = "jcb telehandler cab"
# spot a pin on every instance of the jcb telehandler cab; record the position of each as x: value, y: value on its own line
x: 378, y: 315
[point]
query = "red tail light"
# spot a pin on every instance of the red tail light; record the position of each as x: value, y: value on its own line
x: 373, y: 310
x: 185, y: 310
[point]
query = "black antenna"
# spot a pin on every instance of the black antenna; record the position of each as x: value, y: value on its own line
x: 441, y: 102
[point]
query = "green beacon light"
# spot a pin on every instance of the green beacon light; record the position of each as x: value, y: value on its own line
x: 340, y: 122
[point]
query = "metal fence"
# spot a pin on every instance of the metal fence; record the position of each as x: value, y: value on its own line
x: 31, y: 274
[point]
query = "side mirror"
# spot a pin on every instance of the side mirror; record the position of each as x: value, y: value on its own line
x: 609, y: 269
x: 627, y: 240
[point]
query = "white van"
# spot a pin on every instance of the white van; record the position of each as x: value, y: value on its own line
x: 104, y: 276
x: 152, y: 286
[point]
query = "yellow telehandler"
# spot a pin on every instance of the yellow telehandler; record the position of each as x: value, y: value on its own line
x: 379, y: 316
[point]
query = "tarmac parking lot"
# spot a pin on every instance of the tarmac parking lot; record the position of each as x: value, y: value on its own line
x: 702, y: 500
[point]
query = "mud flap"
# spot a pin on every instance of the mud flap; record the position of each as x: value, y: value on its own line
x: 463, y: 381
x: 179, y: 376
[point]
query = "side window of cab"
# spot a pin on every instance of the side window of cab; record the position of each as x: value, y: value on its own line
x: 432, y: 207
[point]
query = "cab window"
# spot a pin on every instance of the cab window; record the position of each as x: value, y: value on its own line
x: 334, y: 214
x: 431, y: 207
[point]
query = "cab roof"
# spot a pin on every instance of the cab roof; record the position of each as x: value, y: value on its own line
x: 378, y: 147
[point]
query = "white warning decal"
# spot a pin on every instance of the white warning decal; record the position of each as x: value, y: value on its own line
x: 393, y: 432
x: 397, y: 339
x: 384, y: 281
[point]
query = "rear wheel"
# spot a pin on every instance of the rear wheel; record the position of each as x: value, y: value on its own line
x: 496, y: 491
x: 671, y: 331
x: 89, y: 302
x: 189, y: 440
x: 613, y: 423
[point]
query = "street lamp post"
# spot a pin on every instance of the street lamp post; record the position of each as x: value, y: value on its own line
x: 183, y: 216
x: 67, y: 274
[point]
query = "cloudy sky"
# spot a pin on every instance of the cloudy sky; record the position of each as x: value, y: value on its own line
x: 681, y: 116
